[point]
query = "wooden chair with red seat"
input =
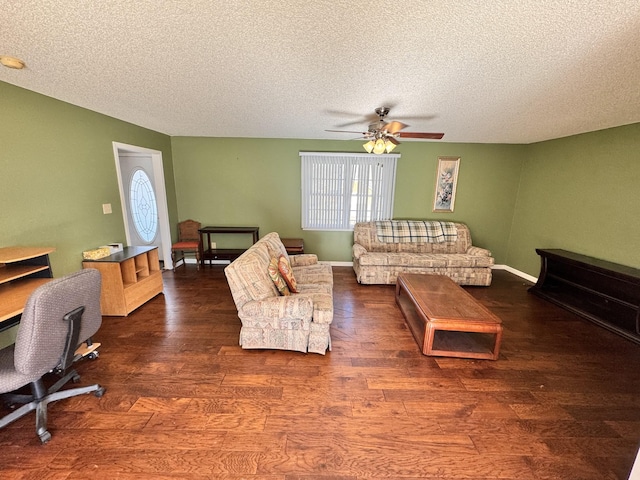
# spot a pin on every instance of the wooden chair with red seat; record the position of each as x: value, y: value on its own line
x: 188, y: 243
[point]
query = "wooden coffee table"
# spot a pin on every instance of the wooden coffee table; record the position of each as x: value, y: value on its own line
x: 446, y: 320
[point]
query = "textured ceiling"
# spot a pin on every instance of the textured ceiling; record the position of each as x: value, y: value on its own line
x: 488, y: 71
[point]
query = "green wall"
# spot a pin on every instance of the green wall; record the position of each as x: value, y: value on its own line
x: 57, y: 169
x: 580, y: 193
x: 256, y: 182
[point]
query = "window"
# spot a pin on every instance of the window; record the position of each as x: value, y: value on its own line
x: 340, y: 189
x: 144, y: 209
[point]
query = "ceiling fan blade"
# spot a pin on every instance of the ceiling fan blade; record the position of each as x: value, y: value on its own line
x: 347, y: 131
x: 372, y: 117
x: 416, y: 117
x: 342, y: 113
x: 433, y: 136
x: 355, y: 122
x: 394, y: 126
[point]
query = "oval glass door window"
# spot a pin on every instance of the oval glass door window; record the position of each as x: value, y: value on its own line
x: 144, y: 209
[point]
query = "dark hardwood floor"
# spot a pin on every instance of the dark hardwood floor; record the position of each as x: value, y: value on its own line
x: 184, y: 401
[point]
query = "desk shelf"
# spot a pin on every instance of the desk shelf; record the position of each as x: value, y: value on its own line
x: 22, y: 270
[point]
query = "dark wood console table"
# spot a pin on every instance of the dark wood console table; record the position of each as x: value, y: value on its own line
x: 208, y: 253
x: 605, y: 293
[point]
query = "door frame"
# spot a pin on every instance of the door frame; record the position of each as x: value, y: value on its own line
x: 160, y: 191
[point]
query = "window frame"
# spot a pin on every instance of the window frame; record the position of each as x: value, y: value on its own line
x: 341, y: 173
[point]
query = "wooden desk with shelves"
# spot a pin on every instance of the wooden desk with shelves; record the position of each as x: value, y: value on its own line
x: 22, y: 270
x: 129, y: 279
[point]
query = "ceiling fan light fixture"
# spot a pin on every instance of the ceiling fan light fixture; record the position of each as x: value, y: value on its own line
x: 379, y: 147
x: 389, y: 146
x: 369, y: 146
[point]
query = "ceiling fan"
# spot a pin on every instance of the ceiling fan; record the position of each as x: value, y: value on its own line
x: 383, y: 136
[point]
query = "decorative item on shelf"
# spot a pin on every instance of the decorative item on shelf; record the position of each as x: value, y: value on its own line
x: 96, y: 253
x: 113, y: 247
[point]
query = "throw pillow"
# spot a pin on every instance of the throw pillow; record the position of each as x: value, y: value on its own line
x: 285, y: 270
x: 278, y: 281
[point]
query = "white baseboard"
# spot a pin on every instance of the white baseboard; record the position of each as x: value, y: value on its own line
x: 520, y: 274
x: 339, y: 264
x: 509, y: 269
x: 635, y: 470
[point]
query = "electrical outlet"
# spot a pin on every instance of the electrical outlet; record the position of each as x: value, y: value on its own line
x: 213, y: 245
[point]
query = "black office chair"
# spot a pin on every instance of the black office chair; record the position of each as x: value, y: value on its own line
x: 59, y: 316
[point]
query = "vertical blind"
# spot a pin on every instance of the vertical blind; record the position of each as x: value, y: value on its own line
x: 340, y: 189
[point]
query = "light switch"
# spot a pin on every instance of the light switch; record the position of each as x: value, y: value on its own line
x: 106, y: 208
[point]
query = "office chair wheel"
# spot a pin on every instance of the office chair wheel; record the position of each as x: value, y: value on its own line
x: 93, y: 355
x: 100, y: 392
x: 45, y: 436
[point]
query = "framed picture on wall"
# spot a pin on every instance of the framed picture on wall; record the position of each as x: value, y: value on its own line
x: 446, y: 181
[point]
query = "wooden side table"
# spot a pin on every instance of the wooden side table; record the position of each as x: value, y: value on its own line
x: 294, y: 246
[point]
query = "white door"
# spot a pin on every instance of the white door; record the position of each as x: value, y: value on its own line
x: 143, y: 198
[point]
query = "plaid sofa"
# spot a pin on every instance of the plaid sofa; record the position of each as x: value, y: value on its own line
x: 297, y: 322
x: 379, y: 256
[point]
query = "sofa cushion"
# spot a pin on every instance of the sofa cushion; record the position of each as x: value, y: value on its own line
x: 277, y: 279
x: 416, y: 231
x: 274, y: 244
x: 312, y: 274
x: 468, y: 261
x: 322, y: 307
x: 287, y: 273
x: 365, y: 234
x: 303, y: 260
x: 248, y: 276
x: 277, y: 309
x: 425, y: 260
x: 314, y: 288
x: 404, y: 259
